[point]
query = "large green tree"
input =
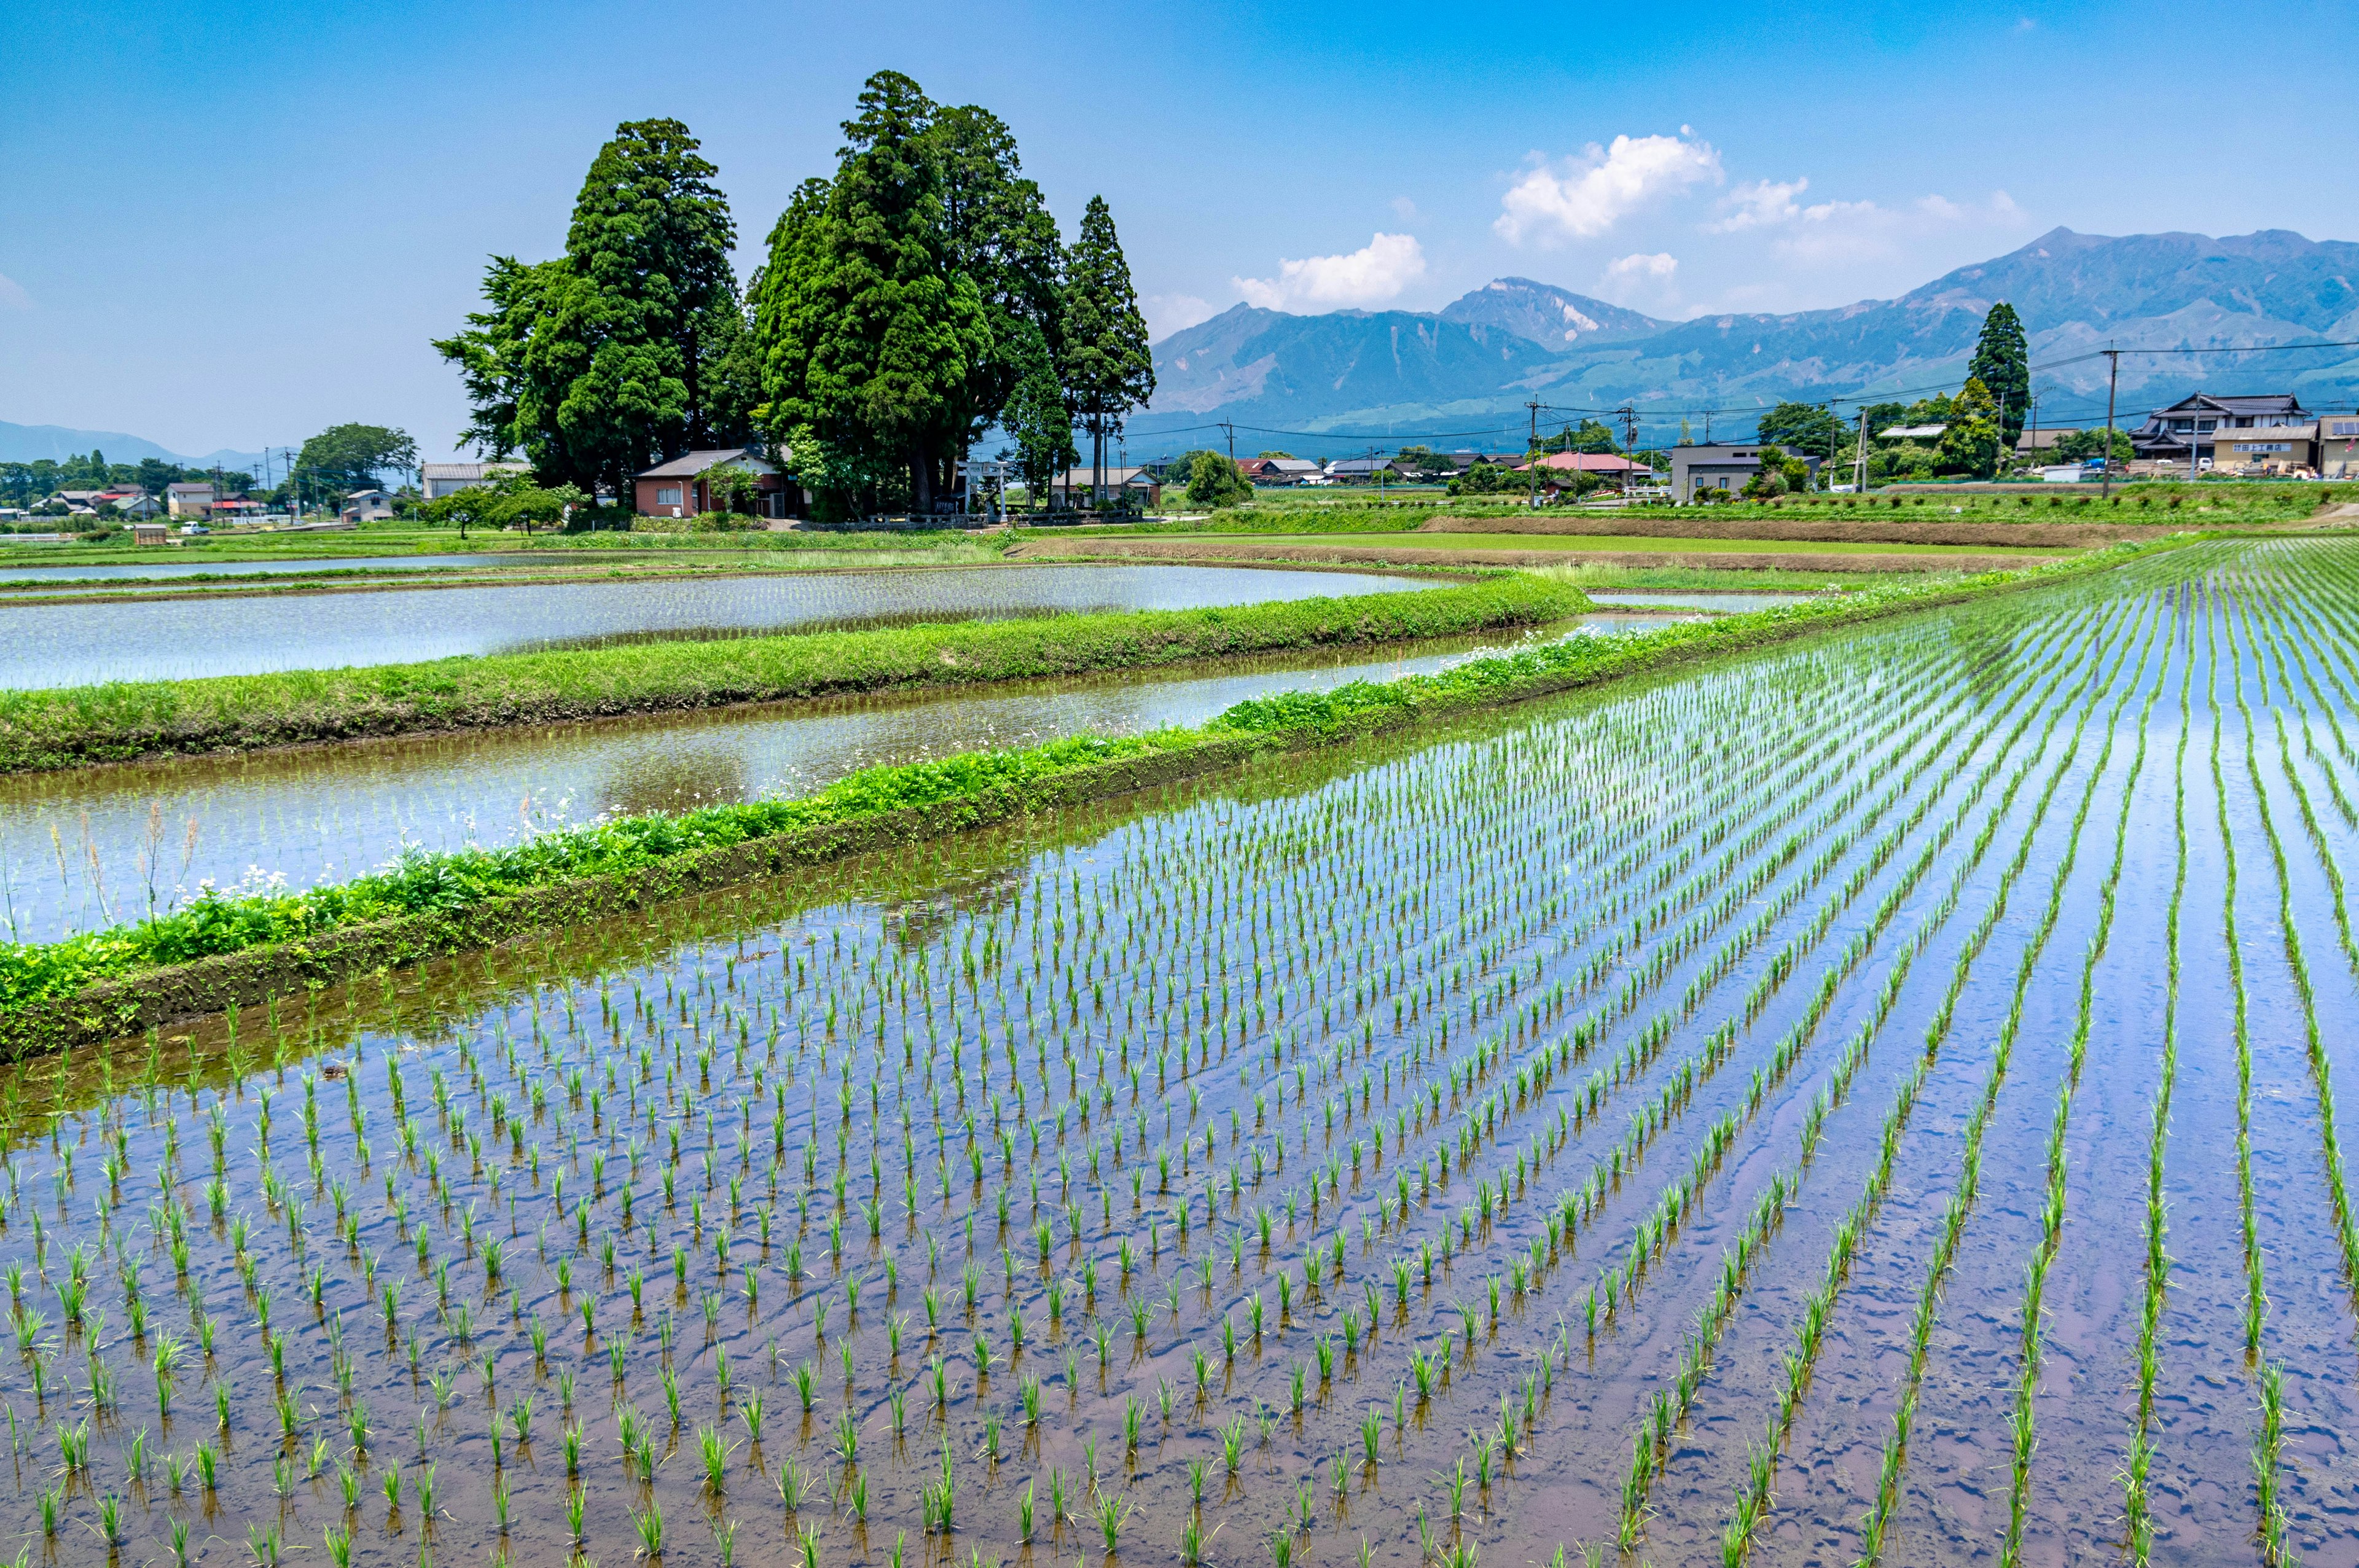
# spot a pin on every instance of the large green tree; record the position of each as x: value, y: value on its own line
x: 1035, y: 415
x: 868, y: 331
x: 1107, y: 368
x: 2002, y: 362
x: 345, y: 457
x: 599, y: 362
x: 998, y: 233
x: 1589, y: 435
x: 1807, y: 427
x: 1971, y: 444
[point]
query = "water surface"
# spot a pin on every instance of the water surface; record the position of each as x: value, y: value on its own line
x: 77, y: 847
x: 75, y: 645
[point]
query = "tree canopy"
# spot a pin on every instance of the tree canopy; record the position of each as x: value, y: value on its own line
x: 1807, y: 427
x: 345, y: 457
x: 2002, y: 363
x: 1213, y: 480
x: 1108, y: 369
x: 1589, y: 435
x: 1035, y: 415
x: 907, y: 303
x: 630, y: 345
x: 1971, y: 444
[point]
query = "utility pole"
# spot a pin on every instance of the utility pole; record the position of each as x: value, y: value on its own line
x: 2113, y: 381
x: 1859, y: 470
x: 1229, y: 430
x: 1532, y: 442
x: 1629, y: 445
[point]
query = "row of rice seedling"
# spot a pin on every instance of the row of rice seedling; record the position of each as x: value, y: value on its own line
x: 2022, y: 1423
x: 1230, y: 1182
x: 2097, y: 682
x: 2138, y: 1463
x: 1752, y: 1502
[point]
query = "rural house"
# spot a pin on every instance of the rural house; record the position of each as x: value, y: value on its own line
x: 1728, y: 466
x: 677, y: 488
x: 2338, y: 446
x: 2168, y: 434
x: 366, y: 506
x: 435, y: 481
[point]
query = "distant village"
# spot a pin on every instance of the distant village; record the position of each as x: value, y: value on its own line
x: 2203, y: 435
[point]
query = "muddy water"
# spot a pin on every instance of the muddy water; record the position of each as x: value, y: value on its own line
x: 78, y: 845
x: 68, y: 645
x: 1186, y: 1005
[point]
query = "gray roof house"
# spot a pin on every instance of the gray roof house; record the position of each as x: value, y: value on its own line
x: 435, y: 481
x: 1726, y: 466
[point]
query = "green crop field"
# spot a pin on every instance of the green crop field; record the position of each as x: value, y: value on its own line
x: 1868, y: 1097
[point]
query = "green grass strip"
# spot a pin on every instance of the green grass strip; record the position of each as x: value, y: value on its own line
x: 80, y: 988
x: 68, y: 725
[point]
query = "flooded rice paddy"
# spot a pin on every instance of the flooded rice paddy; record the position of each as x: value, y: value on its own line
x: 70, y: 645
x: 81, y: 848
x: 165, y: 572
x: 1867, y: 1100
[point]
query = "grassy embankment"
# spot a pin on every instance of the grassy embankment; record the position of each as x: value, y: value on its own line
x: 98, y: 984
x: 402, y: 540
x: 61, y: 727
x: 2210, y: 504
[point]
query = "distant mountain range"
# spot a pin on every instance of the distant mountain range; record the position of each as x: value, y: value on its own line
x: 32, y: 443
x: 1475, y: 363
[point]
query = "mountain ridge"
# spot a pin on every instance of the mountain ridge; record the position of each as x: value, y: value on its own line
x: 1309, y: 375
x: 32, y: 443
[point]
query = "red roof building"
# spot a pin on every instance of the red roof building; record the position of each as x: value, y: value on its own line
x: 1587, y: 462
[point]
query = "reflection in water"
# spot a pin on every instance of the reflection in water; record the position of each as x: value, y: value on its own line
x: 668, y: 780
x: 75, y: 645
x: 83, y: 848
x: 168, y: 570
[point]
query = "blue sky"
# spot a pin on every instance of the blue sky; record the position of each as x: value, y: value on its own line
x: 237, y: 222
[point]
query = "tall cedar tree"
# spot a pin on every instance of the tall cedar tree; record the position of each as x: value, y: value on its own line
x: 998, y: 232
x: 1036, y: 417
x: 596, y: 364
x: 868, y: 331
x: 1108, y: 369
x: 2003, y: 365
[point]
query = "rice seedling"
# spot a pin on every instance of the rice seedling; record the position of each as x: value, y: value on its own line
x: 1436, y: 1044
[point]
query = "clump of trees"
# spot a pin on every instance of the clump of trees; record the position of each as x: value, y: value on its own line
x: 904, y: 305
x: 631, y: 345
x: 1213, y: 480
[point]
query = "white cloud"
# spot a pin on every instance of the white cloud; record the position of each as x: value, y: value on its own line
x: 1404, y: 208
x: 1376, y: 272
x: 1585, y: 197
x: 1170, y: 313
x: 1643, y: 281
x: 1633, y: 268
x: 13, y: 295
x: 1828, y: 233
x: 1759, y: 203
